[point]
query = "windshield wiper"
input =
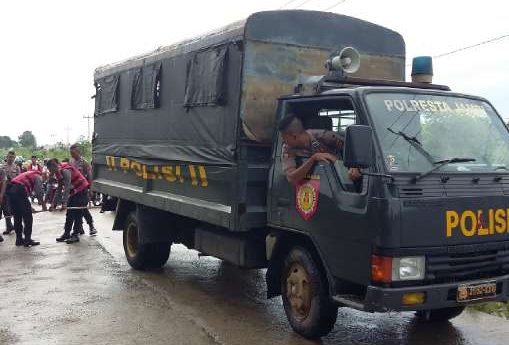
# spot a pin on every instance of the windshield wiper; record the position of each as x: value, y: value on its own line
x: 414, y: 142
x: 441, y: 163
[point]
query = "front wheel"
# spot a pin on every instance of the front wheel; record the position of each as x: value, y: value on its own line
x: 142, y: 255
x: 305, y: 297
x: 438, y: 315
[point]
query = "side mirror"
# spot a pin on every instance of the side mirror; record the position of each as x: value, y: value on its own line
x: 358, y: 147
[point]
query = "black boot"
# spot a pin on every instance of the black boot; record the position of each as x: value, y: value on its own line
x: 78, y: 229
x: 93, y: 230
x: 31, y: 243
x: 65, y: 236
x: 73, y: 239
x: 19, y: 241
x: 9, y: 226
x: 1, y: 238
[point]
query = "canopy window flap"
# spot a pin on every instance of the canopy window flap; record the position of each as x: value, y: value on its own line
x: 107, y: 95
x: 146, y: 87
x: 206, y: 79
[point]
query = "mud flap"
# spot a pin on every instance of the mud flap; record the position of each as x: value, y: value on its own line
x: 275, y: 260
x: 155, y: 226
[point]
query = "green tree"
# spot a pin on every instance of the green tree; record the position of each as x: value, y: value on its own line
x: 27, y: 139
x: 6, y: 142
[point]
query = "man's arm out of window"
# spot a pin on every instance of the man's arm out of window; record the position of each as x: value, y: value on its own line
x: 295, y: 175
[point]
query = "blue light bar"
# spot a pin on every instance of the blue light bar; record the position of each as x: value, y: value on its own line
x: 422, y: 65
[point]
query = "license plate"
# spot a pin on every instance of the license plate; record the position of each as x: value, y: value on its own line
x: 472, y: 292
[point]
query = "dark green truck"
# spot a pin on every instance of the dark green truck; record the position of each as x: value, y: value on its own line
x: 185, y: 137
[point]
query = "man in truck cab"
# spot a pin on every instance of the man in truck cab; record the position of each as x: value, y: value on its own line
x: 317, y: 144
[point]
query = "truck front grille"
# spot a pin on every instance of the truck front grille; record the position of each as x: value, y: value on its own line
x: 465, y: 266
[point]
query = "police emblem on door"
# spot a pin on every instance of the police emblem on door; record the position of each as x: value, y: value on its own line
x: 306, y: 198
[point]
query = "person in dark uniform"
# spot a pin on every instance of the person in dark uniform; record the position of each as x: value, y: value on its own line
x: 3, y: 182
x: 317, y: 144
x: 21, y: 187
x: 86, y: 170
x: 75, y: 196
x: 11, y: 171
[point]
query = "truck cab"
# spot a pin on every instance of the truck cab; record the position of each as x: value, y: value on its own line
x: 427, y: 227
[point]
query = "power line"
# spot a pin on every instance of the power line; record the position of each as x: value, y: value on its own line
x: 491, y: 40
x: 303, y: 3
x: 334, y: 5
x: 472, y: 46
x: 286, y: 3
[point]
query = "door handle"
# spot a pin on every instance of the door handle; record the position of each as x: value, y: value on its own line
x: 283, y: 201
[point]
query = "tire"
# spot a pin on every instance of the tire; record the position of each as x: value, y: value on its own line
x: 439, y: 315
x: 142, y: 256
x: 308, y: 308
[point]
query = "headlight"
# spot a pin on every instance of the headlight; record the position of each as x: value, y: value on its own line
x: 408, y: 268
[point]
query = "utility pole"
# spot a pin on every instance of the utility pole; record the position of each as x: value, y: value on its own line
x: 67, y: 129
x: 88, y: 125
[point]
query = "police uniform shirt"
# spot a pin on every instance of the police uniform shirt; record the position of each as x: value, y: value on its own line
x: 83, y: 166
x: 321, y: 141
x: 3, y: 174
x: 11, y: 170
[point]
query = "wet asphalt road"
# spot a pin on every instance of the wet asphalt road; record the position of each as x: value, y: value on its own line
x: 87, y: 294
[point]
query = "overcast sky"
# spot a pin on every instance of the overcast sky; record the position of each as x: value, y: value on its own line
x: 49, y: 49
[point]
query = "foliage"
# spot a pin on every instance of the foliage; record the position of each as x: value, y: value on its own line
x: 58, y: 151
x: 27, y: 139
x: 6, y: 142
x: 27, y: 147
x: 494, y: 308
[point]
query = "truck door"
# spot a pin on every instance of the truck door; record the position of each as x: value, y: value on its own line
x: 327, y: 206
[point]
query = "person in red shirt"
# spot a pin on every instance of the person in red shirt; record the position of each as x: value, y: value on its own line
x: 21, y: 187
x: 34, y: 164
x: 75, y: 196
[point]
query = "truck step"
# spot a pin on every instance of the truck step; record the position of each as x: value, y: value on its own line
x: 351, y: 301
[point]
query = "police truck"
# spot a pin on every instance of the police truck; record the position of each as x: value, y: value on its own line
x: 186, y: 138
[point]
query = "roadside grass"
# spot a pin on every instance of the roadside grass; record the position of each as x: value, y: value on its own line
x: 493, y: 308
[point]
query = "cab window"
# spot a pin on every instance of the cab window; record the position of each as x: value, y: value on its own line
x: 331, y: 115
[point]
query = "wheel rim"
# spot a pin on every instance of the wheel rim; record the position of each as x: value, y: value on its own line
x: 298, y: 291
x: 132, y: 240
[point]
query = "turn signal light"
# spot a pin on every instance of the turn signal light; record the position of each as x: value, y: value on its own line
x: 381, y: 269
x: 413, y: 298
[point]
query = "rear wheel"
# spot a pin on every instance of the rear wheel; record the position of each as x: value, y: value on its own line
x: 437, y: 315
x: 305, y: 297
x: 142, y: 255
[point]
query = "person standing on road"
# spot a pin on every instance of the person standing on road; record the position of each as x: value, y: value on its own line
x: 21, y: 187
x: 11, y: 171
x: 85, y: 169
x: 75, y: 196
x: 3, y: 182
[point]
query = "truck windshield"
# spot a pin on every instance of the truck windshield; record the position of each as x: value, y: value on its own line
x: 418, y: 130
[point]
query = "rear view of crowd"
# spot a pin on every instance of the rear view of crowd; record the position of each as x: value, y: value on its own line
x: 54, y: 184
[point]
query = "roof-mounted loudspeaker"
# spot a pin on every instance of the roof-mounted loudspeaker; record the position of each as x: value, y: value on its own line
x: 348, y: 61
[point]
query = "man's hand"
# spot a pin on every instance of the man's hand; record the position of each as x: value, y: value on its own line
x: 323, y: 157
x: 354, y: 174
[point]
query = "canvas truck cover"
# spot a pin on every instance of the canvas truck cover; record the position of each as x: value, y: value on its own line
x: 195, y: 101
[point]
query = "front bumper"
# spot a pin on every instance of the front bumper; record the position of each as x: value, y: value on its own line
x: 380, y: 299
